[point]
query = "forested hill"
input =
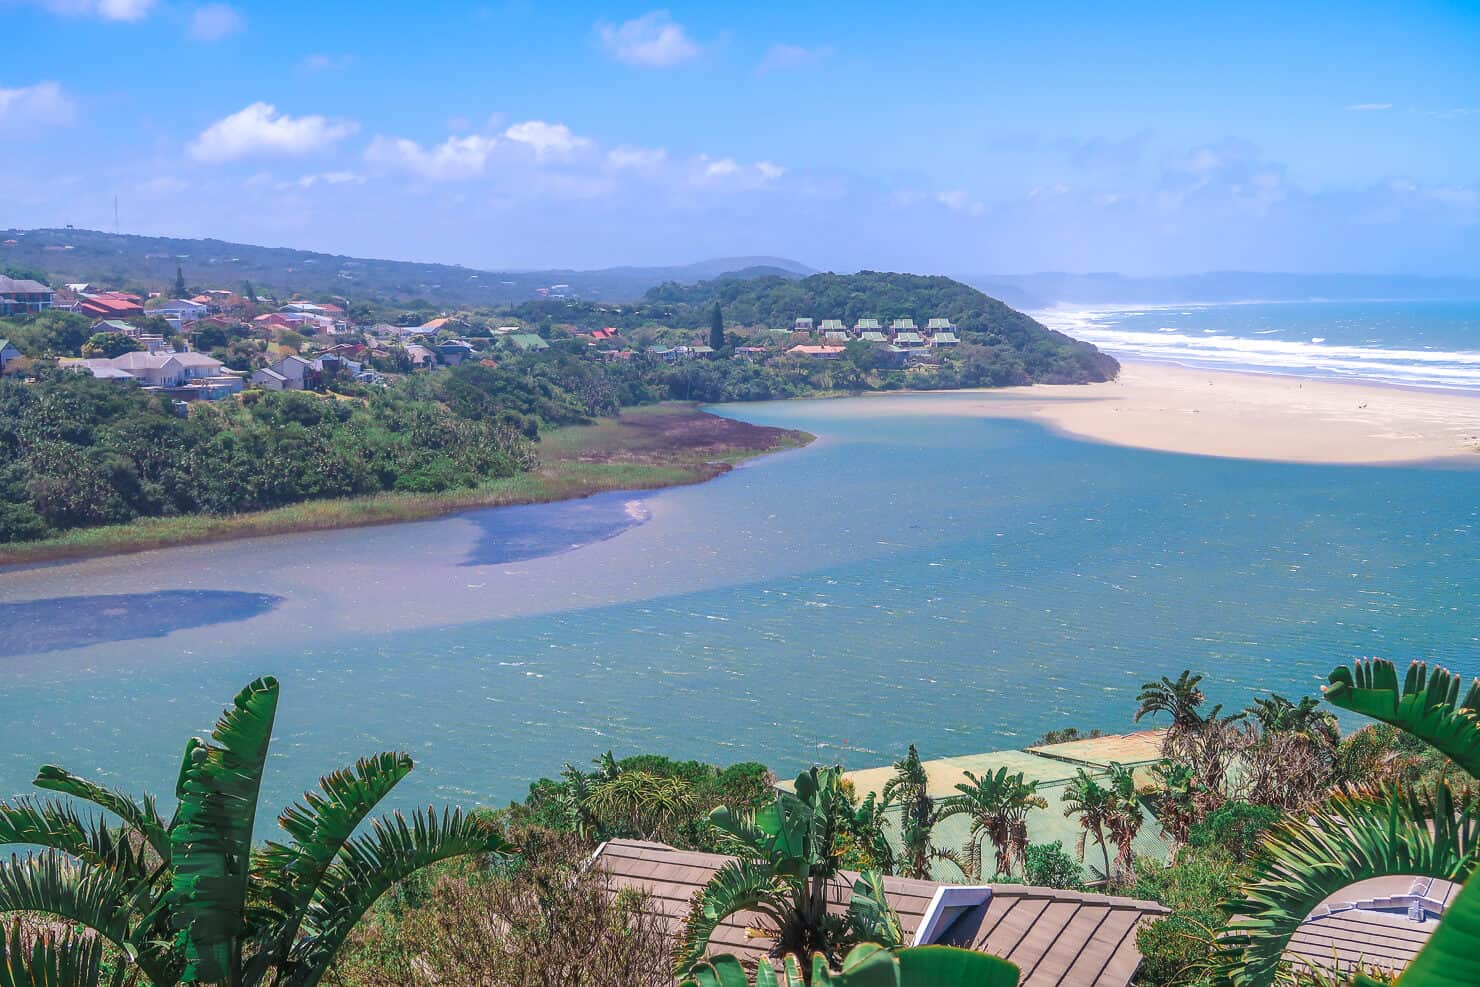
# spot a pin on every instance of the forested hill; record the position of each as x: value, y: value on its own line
x: 1047, y: 356
x: 149, y: 263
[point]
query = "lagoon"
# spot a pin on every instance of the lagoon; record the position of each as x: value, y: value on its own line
x: 937, y: 578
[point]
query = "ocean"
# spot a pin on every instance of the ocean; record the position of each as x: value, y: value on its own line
x: 1418, y: 344
x: 959, y: 583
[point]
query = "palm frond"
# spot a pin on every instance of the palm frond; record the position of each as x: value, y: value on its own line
x: 72, y: 960
x: 211, y: 840
x: 141, y: 815
x: 368, y: 866
x: 738, y: 886
x: 1430, y: 705
x: 51, y: 884
x: 1351, y: 838
x: 870, y: 916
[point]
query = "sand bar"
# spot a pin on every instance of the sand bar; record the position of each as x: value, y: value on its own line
x: 1253, y: 416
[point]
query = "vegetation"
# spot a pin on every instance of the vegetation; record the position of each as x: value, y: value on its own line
x: 867, y: 966
x: 997, y: 806
x: 192, y: 900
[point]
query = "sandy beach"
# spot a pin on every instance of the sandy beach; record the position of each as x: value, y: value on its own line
x: 1253, y: 416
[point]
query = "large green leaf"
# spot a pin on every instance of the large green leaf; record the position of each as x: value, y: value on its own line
x: 1430, y: 704
x: 73, y: 960
x: 738, y: 886
x: 870, y: 965
x: 142, y: 816
x: 870, y: 916
x: 366, y: 868
x: 1349, y: 839
x: 211, y: 840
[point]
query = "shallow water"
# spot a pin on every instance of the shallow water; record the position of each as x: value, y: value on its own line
x: 959, y: 583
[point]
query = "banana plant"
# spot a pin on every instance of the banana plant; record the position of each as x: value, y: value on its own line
x: 868, y: 965
x: 191, y: 900
x: 788, y: 854
x: 1386, y: 832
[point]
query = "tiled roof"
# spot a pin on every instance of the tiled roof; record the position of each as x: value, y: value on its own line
x: 935, y: 324
x: 868, y: 324
x: 904, y: 324
x: 1054, y: 937
x: 21, y: 286
x: 1382, y: 922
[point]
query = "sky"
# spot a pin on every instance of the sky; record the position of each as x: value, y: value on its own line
x: 962, y: 138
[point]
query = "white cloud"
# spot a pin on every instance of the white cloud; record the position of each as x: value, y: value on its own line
x: 546, y: 139
x: 215, y: 21
x: 782, y: 57
x: 325, y: 178
x: 454, y: 158
x: 43, y: 103
x: 1369, y: 107
x: 729, y: 172
x: 643, y: 159
x: 108, y: 10
x: 260, y: 129
x: 958, y: 200
x: 653, y: 40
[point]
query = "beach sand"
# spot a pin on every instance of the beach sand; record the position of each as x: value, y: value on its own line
x: 1253, y: 416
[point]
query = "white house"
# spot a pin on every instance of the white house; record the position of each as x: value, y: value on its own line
x: 183, y: 309
x: 269, y: 379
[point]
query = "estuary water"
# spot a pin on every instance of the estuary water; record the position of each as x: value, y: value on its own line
x: 960, y: 583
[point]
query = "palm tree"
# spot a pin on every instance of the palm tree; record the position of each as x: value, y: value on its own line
x: 909, y: 788
x: 1384, y: 831
x: 997, y: 806
x: 788, y: 855
x: 1201, y: 739
x: 867, y: 966
x: 1175, y: 799
x: 190, y: 899
x: 1125, y: 817
x: 1306, y: 718
x: 1094, y: 804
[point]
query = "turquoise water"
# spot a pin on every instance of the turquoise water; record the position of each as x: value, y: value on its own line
x: 1419, y: 344
x: 959, y: 583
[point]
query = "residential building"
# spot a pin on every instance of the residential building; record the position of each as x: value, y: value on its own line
x: 190, y: 376
x: 836, y: 337
x: 903, y: 325
x: 817, y: 352
x: 8, y: 354
x: 868, y: 325
x: 422, y: 357
x: 939, y: 325
x: 299, y: 373
x: 269, y: 379
x: 909, y: 340
x: 802, y: 325
x: 833, y: 325
x: 22, y: 296
x: 873, y: 336
x: 112, y: 305
x: 454, y: 351
x: 944, y: 338
x: 1056, y: 938
x: 184, y: 309
x: 526, y: 342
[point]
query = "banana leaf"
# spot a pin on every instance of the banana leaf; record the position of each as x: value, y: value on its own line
x: 1430, y: 704
x: 211, y: 840
x: 869, y: 965
x: 73, y: 960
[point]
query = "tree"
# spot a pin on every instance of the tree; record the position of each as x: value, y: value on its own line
x: 180, y: 290
x: 1389, y: 830
x: 717, y: 328
x: 787, y: 859
x: 249, y: 292
x: 1125, y: 818
x: 191, y: 900
x: 909, y: 788
x: 997, y: 805
x: 110, y: 344
x: 1094, y: 804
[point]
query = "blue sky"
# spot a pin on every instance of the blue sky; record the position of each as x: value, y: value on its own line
x: 955, y: 138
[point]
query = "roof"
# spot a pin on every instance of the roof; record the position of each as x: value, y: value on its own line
x: 832, y: 325
x: 908, y: 337
x: 22, y: 286
x: 527, y: 341
x: 105, y: 305
x: 1382, y: 922
x: 114, y: 325
x: 816, y: 350
x: 435, y: 324
x: 4, y: 344
x: 939, y: 324
x: 946, y: 337
x: 835, y: 334
x: 196, y: 360
x: 1055, y: 937
x: 904, y: 324
x: 874, y: 336
x: 868, y: 324
x: 269, y: 372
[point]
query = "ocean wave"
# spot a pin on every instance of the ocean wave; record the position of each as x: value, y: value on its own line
x: 1436, y: 368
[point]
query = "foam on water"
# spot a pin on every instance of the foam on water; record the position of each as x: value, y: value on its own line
x: 1413, y: 344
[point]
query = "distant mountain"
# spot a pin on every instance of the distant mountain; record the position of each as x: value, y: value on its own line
x: 1042, y: 290
x: 120, y: 260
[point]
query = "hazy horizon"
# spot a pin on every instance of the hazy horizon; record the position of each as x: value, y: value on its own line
x: 945, y: 138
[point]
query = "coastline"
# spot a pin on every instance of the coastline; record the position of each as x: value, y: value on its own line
x: 650, y: 447
x: 1240, y: 415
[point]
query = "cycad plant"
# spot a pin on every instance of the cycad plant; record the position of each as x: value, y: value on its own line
x: 788, y: 854
x: 1380, y: 832
x: 189, y: 900
x: 997, y: 806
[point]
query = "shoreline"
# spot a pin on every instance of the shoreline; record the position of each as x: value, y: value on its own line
x: 1265, y: 417
x: 650, y: 447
